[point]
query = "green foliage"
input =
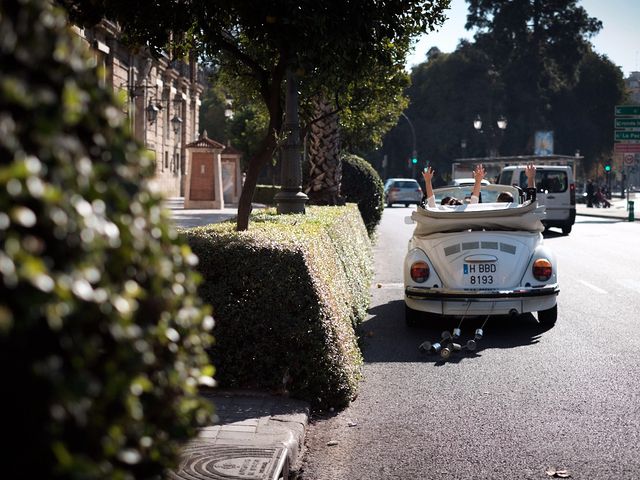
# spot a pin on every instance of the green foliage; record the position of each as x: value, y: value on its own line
x: 583, y: 115
x: 285, y: 316
x: 102, y: 336
x: 362, y: 184
x: 536, y: 47
x: 531, y: 62
x: 333, y: 44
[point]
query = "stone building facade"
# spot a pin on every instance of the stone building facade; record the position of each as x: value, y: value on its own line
x: 633, y: 86
x: 162, y: 100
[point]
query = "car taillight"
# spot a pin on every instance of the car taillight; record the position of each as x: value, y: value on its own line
x: 419, y: 272
x: 395, y: 190
x: 542, y: 269
x: 572, y: 193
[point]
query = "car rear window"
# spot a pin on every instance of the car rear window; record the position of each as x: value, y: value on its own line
x: 405, y: 184
x: 553, y: 181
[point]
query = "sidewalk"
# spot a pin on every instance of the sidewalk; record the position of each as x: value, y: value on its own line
x: 618, y: 210
x: 255, y: 435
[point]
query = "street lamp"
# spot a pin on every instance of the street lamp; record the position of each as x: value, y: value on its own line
x: 176, y: 122
x: 502, y: 126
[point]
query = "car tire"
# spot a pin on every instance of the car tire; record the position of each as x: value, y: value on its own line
x: 566, y: 230
x: 411, y: 317
x: 406, y: 205
x: 548, y: 317
x: 389, y: 204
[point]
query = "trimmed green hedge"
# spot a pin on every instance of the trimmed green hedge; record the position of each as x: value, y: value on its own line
x: 102, y: 336
x: 362, y: 184
x: 287, y: 294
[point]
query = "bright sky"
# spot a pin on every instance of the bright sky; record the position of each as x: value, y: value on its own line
x: 619, y: 38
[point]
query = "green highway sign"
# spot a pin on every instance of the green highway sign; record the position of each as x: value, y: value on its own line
x: 627, y: 109
x: 632, y: 123
x: 622, y: 136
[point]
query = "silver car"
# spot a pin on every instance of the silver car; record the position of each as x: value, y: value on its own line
x: 402, y: 190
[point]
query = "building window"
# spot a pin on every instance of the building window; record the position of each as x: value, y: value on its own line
x: 166, y: 160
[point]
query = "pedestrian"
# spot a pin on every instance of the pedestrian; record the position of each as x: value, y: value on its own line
x: 590, y: 193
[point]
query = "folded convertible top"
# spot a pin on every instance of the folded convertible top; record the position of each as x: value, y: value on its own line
x: 479, y: 216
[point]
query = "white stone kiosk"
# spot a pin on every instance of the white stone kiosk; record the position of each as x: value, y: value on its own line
x: 204, y: 187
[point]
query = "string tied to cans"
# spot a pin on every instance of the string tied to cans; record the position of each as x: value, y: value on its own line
x: 450, y: 342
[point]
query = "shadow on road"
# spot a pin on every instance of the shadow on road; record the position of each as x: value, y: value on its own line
x: 386, y: 338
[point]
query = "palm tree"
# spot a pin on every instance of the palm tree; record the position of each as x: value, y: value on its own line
x: 325, y: 169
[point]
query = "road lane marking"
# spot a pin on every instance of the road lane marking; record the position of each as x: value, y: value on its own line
x: 592, y: 287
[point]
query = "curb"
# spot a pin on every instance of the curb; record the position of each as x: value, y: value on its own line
x: 254, y: 436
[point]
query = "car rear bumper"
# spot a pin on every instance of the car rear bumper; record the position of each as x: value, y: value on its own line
x: 483, y: 302
x: 420, y: 293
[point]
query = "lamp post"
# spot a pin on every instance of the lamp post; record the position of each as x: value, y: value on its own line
x: 291, y: 199
x: 501, y: 124
x: 414, y: 153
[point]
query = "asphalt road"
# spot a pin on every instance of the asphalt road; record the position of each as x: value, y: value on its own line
x: 526, y: 402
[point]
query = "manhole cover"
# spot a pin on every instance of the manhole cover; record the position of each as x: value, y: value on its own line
x: 210, y: 462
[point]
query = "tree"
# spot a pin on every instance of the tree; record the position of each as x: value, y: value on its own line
x: 536, y: 47
x: 446, y: 93
x: 584, y: 116
x: 336, y: 42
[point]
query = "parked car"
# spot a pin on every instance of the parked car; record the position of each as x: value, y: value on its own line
x: 479, y: 259
x: 402, y: 190
x: 556, y: 190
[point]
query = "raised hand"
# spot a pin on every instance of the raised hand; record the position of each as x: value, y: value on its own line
x: 479, y: 173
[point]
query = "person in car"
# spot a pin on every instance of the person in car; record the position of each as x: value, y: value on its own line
x: 430, y: 199
x: 530, y: 192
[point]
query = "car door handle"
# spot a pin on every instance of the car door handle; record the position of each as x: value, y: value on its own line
x: 550, y: 196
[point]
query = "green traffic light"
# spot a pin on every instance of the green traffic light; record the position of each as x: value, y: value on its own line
x: 607, y: 168
x: 414, y: 160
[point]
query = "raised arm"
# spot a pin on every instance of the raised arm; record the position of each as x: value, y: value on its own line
x: 478, y: 175
x: 530, y: 172
x: 428, y: 174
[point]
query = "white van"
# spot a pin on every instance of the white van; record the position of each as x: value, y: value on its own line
x: 556, y: 190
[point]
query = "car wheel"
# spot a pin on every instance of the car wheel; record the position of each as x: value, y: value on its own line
x: 406, y: 205
x: 389, y: 204
x: 411, y: 317
x: 548, y: 317
x: 566, y: 230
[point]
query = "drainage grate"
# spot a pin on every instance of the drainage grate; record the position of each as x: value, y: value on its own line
x: 218, y: 462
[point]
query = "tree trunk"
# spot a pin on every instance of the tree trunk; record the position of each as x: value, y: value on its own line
x: 256, y: 163
x: 272, y: 98
x: 325, y: 169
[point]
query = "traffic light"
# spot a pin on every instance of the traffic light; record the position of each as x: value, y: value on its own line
x: 607, y: 168
x: 414, y: 160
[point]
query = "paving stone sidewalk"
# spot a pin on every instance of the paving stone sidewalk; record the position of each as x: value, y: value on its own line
x: 255, y: 436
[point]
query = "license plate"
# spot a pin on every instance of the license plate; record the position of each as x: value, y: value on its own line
x: 479, y: 273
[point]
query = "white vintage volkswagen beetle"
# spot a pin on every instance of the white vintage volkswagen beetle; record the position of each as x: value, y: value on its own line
x: 484, y: 259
